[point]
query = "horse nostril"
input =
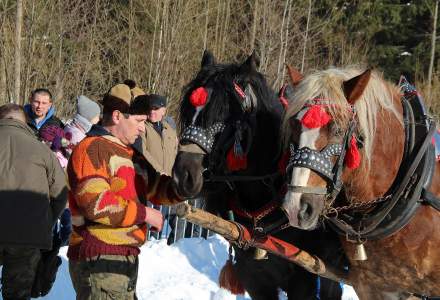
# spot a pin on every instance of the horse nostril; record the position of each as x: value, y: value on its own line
x: 206, y: 174
x: 306, y: 210
x: 188, y: 179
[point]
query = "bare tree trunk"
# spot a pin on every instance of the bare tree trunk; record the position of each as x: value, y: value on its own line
x: 263, y: 47
x: 3, y: 86
x: 160, y: 52
x: 205, y: 37
x: 18, y: 25
x: 2, y: 79
x: 92, y: 46
x: 286, y: 41
x: 226, y: 29
x: 29, y: 51
x: 254, y: 25
x: 282, y: 44
x: 59, y: 89
x: 431, y: 62
x: 217, y: 34
x: 150, y: 75
x: 130, y: 37
x: 306, y: 35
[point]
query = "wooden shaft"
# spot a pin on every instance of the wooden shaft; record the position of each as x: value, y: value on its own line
x: 239, y: 234
x: 209, y: 221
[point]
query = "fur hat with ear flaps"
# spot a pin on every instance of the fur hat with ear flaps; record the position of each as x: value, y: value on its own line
x: 122, y: 97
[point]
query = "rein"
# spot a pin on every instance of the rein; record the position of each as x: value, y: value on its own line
x: 240, y: 178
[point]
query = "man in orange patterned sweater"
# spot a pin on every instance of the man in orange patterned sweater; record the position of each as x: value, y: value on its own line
x: 109, y: 182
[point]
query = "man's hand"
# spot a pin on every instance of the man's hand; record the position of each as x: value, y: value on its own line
x: 154, y: 218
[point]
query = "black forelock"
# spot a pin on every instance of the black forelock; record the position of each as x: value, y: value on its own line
x: 219, y: 80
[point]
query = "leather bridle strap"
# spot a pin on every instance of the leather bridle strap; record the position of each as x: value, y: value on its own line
x: 223, y: 178
x: 191, y: 148
x: 307, y: 189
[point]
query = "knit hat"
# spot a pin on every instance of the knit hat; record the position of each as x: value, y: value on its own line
x: 55, y: 137
x: 87, y: 108
x: 121, y: 97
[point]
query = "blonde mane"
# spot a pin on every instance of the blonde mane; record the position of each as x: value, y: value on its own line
x: 327, y: 84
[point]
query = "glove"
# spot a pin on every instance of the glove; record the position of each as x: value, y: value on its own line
x: 154, y: 218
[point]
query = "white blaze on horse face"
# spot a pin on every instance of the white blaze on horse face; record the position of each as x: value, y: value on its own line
x: 300, y: 176
x: 196, y: 114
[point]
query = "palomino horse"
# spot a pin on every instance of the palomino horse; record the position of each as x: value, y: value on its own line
x: 362, y: 158
x: 229, y: 152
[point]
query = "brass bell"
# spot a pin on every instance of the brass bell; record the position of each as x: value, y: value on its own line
x: 260, y: 254
x: 359, y: 252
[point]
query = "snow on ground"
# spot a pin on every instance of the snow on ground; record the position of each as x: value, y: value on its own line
x: 186, y: 270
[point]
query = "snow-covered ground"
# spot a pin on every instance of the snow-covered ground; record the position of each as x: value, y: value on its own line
x: 186, y: 270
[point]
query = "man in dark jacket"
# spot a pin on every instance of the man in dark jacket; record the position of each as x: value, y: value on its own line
x: 41, y: 111
x: 33, y: 193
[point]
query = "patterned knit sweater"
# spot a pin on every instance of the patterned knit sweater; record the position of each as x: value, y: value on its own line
x: 109, y: 183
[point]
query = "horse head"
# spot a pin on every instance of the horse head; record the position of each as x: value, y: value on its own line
x: 224, y: 111
x: 346, y: 142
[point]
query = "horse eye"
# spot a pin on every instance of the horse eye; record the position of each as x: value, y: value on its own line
x: 337, y: 131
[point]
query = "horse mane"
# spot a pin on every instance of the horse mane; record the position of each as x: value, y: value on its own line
x: 376, y: 98
x: 220, y: 78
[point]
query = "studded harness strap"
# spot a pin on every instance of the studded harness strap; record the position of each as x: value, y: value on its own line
x: 202, y: 137
x: 320, y: 162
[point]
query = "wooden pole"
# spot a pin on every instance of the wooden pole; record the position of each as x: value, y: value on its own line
x: 241, y: 236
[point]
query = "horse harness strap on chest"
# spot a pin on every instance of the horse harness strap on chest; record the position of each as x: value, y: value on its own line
x: 396, y: 209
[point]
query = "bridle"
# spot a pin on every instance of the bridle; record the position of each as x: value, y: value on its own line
x: 321, y: 161
x: 217, y: 139
x: 219, y: 135
x: 385, y: 215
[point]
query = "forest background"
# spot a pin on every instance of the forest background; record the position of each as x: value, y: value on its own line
x: 83, y: 47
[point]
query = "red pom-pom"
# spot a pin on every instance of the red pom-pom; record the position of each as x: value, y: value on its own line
x: 198, y: 97
x: 353, y: 157
x: 315, y: 117
x: 234, y: 162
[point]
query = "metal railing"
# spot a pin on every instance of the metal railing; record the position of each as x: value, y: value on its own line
x: 176, y: 228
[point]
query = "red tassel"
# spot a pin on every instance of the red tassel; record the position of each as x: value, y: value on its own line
x: 315, y: 117
x: 198, y: 97
x: 229, y: 280
x: 353, y: 157
x: 234, y: 162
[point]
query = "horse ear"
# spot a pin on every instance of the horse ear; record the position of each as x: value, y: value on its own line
x: 251, y: 62
x: 294, y: 75
x: 207, y: 59
x: 354, y: 87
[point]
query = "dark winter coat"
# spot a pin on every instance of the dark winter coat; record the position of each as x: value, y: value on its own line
x: 33, y: 190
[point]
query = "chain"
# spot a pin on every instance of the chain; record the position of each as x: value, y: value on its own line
x: 357, y: 205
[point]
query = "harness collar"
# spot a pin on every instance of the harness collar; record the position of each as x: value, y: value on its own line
x: 412, y: 180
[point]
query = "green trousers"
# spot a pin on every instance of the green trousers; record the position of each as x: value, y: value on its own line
x: 18, y: 273
x: 105, y: 277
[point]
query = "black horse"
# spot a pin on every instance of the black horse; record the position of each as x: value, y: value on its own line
x: 230, y: 154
